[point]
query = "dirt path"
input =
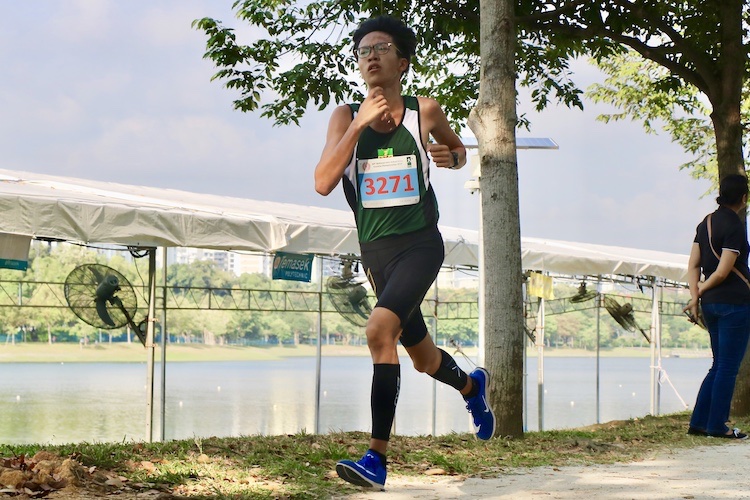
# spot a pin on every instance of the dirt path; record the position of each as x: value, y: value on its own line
x: 706, y: 472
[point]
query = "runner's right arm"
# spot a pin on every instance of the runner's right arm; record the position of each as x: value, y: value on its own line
x: 343, y: 134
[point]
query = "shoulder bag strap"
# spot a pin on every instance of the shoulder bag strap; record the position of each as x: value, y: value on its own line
x: 718, y: 257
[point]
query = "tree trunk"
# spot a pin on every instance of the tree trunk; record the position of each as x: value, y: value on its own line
x: 725, y: 92
x: 493, y: 121
x: 728, y: 130
x: 726, y: 98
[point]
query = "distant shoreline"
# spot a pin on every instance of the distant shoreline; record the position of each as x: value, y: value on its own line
x: 135, y: 353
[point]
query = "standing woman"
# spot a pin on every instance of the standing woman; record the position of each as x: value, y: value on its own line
x: 380, y: 150
x: 720, y: 252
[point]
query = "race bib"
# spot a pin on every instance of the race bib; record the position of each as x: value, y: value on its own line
x: 388, y: 182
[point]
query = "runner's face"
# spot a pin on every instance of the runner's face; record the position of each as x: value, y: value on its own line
x: 380, y: 69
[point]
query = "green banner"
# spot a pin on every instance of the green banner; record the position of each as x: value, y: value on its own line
x: 292, y: 266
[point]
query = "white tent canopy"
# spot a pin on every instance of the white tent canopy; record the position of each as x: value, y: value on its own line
x: 100, y: 212
x: 564, y: 257
x: 90, y: 212
x: 85, y: 211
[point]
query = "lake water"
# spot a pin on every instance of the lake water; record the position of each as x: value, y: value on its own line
x: 74, y: 402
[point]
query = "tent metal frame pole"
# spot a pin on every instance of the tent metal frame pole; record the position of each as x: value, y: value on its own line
x: 540, y: 367
x: 525, y: 391
x: 598, y: 343
x: 660, y: 295
x: 319, y: 349
x: 655, y: 349
x: 435, y: 338
x: 150, y: 344
x: 163, y: 381
x: 652, y: 349
x: 481, y: 336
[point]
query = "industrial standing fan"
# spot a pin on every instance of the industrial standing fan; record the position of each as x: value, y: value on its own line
x: 348, y: 296
x: 624, y: 316
x: 103, y: 298
x: 582, y: 295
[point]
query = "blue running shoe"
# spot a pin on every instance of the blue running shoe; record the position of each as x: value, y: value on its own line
x: 484, y: 418
x: 368, y: 472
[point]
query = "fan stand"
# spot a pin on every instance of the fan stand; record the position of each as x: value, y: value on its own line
x: 582, y: 295
x: 348, y: 296
x: 623, y: 315
x: 88, y: 285
x: 136, y: 328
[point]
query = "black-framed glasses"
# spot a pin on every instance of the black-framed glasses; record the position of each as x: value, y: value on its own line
x: 380, y: 48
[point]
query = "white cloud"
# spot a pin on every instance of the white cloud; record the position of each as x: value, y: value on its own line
x: 81, y: 21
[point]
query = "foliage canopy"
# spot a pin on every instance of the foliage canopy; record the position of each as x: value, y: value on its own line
x: 301, y: 54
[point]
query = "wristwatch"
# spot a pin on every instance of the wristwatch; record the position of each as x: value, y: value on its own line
x: 455, y: 160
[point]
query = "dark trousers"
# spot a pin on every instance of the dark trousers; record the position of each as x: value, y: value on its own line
x: 729, y: 329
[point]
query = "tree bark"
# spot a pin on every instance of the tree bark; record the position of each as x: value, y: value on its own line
x: 726, y: 95
x: 728, y: 130
x: 727, y: 121
x: 493, y: 122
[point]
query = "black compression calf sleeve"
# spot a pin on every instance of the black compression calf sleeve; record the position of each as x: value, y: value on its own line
x: 449, y: 372
x: 386, y: 380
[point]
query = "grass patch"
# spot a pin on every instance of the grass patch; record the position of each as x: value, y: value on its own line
x: 301, y: 466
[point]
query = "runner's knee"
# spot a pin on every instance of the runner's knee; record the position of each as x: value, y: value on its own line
x: 380, y: 338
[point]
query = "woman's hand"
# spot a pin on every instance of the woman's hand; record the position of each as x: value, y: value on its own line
x: 692, y: 309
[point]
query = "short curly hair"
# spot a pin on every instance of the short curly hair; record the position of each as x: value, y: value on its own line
x: 403, y: 36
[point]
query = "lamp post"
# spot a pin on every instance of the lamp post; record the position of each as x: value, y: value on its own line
x: 473, y: 186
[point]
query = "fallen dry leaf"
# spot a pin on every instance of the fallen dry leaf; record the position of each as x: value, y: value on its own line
x: 435, y: 472
x: 115, y: 481
x: 150, y: 467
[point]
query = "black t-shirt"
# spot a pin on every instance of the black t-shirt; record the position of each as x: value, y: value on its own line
x: 728, y: 233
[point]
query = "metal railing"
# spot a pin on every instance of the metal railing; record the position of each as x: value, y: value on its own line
x: 37, y: 294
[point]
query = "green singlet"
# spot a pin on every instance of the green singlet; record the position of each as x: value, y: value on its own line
x: 387, y: 181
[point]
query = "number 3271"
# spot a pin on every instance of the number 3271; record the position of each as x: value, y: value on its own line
x: 384, y: 185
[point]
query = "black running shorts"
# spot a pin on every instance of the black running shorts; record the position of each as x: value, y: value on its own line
x: 401, y: 270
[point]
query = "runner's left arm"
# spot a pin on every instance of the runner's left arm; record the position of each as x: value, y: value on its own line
x: 436, y: 124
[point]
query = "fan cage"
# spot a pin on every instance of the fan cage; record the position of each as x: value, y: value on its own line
x: 80, y: 291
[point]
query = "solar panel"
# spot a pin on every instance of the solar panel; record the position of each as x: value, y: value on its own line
x: 535, y: 143
x: 521, y: 143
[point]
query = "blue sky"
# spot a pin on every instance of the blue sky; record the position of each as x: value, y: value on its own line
x: 118, y: 91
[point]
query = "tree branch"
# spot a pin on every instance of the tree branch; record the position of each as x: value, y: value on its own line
x: 565, y: 10
x: 655, y: 54
x: 704, y: 66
